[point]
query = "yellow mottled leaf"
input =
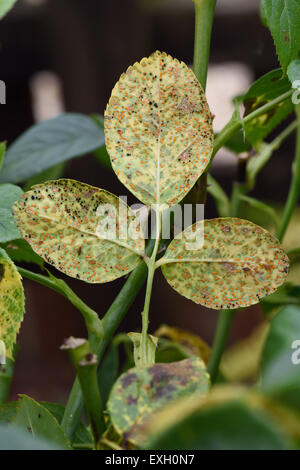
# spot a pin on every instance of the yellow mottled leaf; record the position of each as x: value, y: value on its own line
x: 158, y: 129
x: 238, y: 264
x: 11, y: 302
x: 85, y: 232
x: 193, y: 344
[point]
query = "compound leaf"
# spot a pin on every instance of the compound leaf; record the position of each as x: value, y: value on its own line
x: 62, y: 222
x: 11, y: 302
x: 283, y: 19
x: 158, y: 129
x: 238, y: 264
x: 141, y: 391
x: 261, y: 92
x: 9, y: 194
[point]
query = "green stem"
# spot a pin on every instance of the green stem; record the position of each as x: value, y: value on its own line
x: 6, y: 375
x: 145, y: 312
x: 93, y: 322
x: 110, y: 322
x: 85, y: 363
x: 233, y: 126
x: 294, y: 191
x: 220, y: 340
x: 204, y: 14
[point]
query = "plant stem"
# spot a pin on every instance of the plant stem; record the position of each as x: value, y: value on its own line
x: 110, y: 322
x: 85, y: 364
x: 145, y: 312
x: 6, y: 375
x: 234, y: 125
x: 93, y: 322
x: 294, y: 191
x: 204, y: 14
x: 220, y: 340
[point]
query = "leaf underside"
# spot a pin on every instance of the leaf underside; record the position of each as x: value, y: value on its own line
x: 158, y: 129
x: 238, y: 265
x: 11, y: 302
x: 59, y: 220
x: 141, y: 391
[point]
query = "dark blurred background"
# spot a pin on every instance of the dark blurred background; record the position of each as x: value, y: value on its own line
x: 66, y: 55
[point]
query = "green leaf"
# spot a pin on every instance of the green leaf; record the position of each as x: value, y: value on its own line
x: 21, y: 252
x: 261, y: 206
x: 5, y: 6
x: 265, y: 89
x: 108, y: 372
x: 2, y: 153
x: 238, y: 264
x: 141, y: 391
x: 13, y: 438
x: 48, y: 143
x: 38, y: 422
x: 238, y: 143
x: 9, y: 194
x: 283, y: 18
x: 65, y: 224
x: 81, y: 435
x: 8, y: 412
x: 219, y: 195
x: 11, y: 302
x: 280, y: 376
x: 158, y: 129
x: 215, y: 423
x: 293, y: 72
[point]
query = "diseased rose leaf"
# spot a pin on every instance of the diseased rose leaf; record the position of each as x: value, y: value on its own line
x: 59, y: 219
x: 141, y: 391
x: 11, y: 302
x: 238, y: 264
x: 158, y: 129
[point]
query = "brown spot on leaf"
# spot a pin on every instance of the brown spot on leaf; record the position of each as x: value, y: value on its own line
x: 2, y: 269
x: 128, y: 379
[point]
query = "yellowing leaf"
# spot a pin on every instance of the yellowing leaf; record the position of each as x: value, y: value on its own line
x: 158, y: 129
x: 141, y: 391
x: 11, y: 302
x: 60, y: 219
x: 238, y: 265
x: 193, y: 344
